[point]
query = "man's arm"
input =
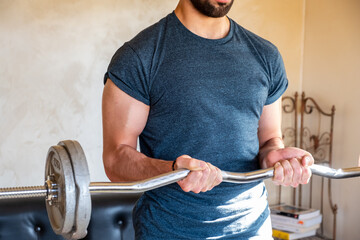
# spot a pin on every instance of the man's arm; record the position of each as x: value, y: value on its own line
x: 124, y: 118
x: 291, y: 164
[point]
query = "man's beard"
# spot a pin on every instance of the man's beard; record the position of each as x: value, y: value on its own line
x: 215, y: 11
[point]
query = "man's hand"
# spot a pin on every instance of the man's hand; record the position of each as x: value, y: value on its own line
x: 203, y: 176
x: 291, y: 166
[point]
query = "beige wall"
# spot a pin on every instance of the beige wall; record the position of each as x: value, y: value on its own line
x: 54, y: 55
x: 332, y: 74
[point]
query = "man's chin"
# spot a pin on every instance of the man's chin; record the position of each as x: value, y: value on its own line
x: 215, y: 10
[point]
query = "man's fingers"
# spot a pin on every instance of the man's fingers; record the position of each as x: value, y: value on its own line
x: 219, y: 177
x: 191, y: 181
x: 210, y: 178
x: 291, y: 172
x: 204, y: 184
x: 306, y: 175
x: 288, y: 172
x: 278, y: 173
x: 297, y: 172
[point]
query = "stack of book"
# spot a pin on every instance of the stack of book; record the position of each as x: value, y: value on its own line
x: 290, y: 222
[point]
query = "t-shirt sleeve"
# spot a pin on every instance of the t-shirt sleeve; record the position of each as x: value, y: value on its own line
x: 127, y: 72
x: 278, y: 82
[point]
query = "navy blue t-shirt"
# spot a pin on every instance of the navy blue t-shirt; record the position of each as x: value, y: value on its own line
x: 206, y: 97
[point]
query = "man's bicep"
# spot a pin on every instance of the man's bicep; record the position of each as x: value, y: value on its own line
x: 124, y: 117
x: 270, y: 122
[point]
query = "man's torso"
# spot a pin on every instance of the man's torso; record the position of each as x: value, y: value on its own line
x: 206, y: 98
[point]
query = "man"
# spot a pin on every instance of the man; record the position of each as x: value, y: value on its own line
x: 198, y: 88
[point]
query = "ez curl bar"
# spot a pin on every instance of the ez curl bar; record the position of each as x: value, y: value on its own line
x: 68, y: 189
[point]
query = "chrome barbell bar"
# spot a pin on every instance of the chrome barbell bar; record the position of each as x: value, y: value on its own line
x: 172, y: 177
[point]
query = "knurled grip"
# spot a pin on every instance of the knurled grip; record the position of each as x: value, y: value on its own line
x: 23, y: 192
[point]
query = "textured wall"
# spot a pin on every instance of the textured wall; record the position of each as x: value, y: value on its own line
x: 332, y: 74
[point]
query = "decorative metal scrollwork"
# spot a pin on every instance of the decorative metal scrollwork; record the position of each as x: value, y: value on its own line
x: 289, y: 104
x: 319, y: 144
x: 312, y: 137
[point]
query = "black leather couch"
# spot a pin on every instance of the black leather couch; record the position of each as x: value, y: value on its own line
x: 26, y: 219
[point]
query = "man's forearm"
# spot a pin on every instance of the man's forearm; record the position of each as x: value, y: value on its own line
x: 271, y: 144
x: 127, y: 164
